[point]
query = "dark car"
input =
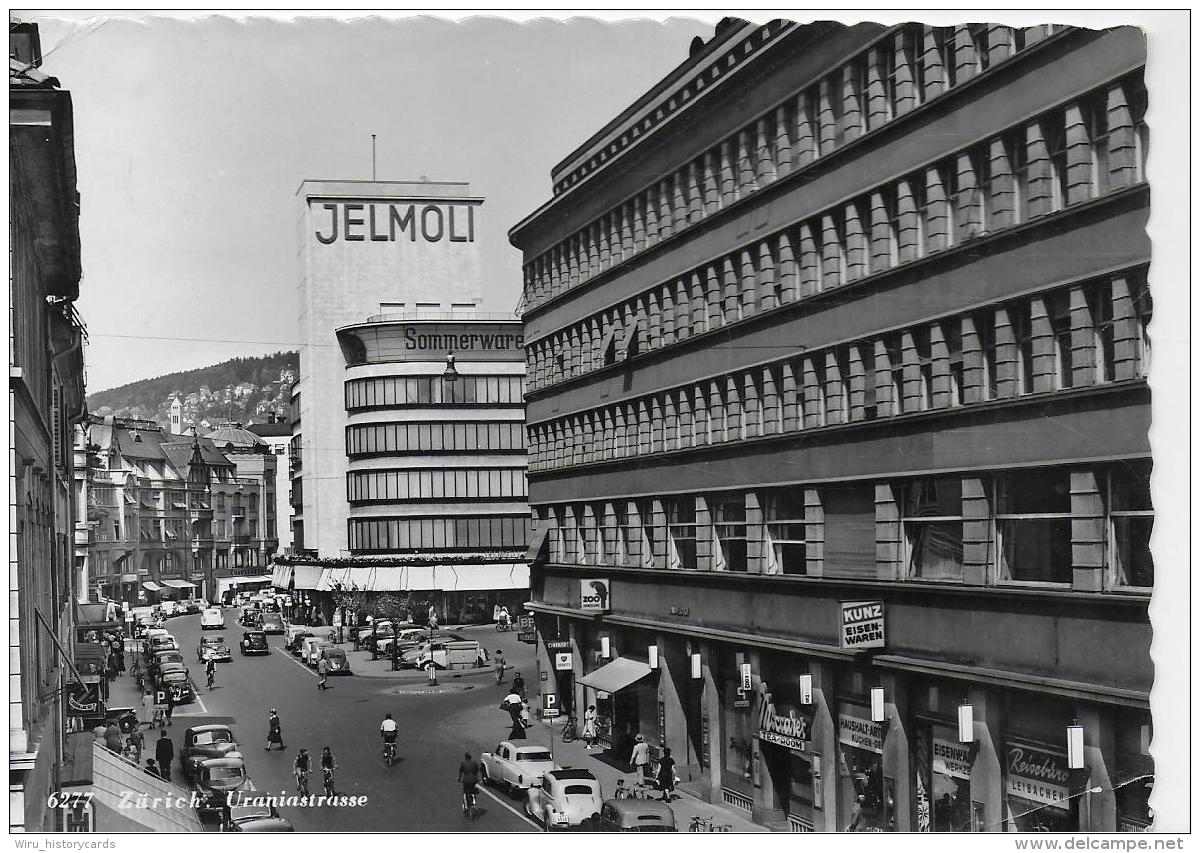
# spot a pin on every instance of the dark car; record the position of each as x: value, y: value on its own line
x: 251, y: 618
x: 126, y: 718
x: 161, y: 659
x: 216, y: 779
x: 175, y: 677
x: 201, y: 743
x: 254, y: 643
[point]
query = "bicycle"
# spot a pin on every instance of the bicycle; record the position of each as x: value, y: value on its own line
x: 302, y: 783
x: 705, y: 823
x: 389, y: 752
x: 212, y: 680
x: 468, y: 802
x: 632, y: 791
x: 501, y: 627
x: 327, y: 772
x: 569, y: 732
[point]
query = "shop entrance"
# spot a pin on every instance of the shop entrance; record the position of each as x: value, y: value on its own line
x: 793, y: 780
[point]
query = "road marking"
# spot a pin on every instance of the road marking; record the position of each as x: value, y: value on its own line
x: 288, y: 656
x: 203, y: 710
x: 481, y: 789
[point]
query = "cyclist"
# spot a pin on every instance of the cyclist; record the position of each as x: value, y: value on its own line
x: 300, y: 769
x: 505, y: 621
x: 328, y: 765
x: 388, y: 731
x: 468, y: 777
x: 210, y: 670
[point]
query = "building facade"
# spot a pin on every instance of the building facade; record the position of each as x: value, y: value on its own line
x: 45, y: 401
x: 253, y: 504
x: 277, y: 433
x: 393, y: 461
x: 168, y: 515
x: 837, y: 407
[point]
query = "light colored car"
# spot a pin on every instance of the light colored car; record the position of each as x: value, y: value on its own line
x: 311, y: 650
x: 338, y: 664
x: 406, y: 637
x: 514, y: 767
x: 169, y: 607
x: 564, y: 798
x: 272, y: 623
x: 453, y: 654
x: 212, y: 619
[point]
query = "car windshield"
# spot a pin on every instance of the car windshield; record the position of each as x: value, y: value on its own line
x: 219, y: 774
x: 214, y: 641
x: 213, y: 737
x: 539, y: 755
x: 578, y: 789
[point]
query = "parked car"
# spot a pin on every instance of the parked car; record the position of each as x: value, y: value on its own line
x: 311, y: 650
x: 272, y: 622
x: 338, y: 664
x: 409, y: 656
x: 213, y: 648
x: 201, y: 743
x: 514, y: 767
x: 175, y: 677
x: 294, y: 636
x: 564, y: 798
x: 371, y: 633
x: 161, y: 644
x: 216, y: 779
x: 125, y: 717
x: 212, y: 619
x: 191, y: 605
x: 636, y: 815
x: 169, y: 607
x: 254, y: 643
x: 406, y: 637
x: 155, y: 664
x: 453, y: 654
x: 262, y: 824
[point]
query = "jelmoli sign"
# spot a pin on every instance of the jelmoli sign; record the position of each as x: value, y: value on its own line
x: 1037, y: 775
x: 365, y: 221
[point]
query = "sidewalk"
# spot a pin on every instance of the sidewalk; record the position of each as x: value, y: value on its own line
x: 362, y: 665
x: 685, y: 806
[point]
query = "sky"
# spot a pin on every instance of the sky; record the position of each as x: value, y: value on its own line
x: 192, y: 136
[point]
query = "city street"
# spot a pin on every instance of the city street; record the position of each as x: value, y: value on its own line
x: 418, y: 793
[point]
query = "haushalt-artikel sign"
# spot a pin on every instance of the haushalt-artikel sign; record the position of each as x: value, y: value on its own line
x: 860, y: 732
x: 593, y: 595
x: 863, y: 625
x: 1037, y: 774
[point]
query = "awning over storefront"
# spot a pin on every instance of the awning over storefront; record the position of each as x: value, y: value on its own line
x: 131, y: 577
x: 333, y: 578
x: 307, y: 577
x: 179, y: 584
x: 110, y: 779
x: 615, y: 676
x: 455, y: 578
x: 151, y: 586
x: 281, y: 578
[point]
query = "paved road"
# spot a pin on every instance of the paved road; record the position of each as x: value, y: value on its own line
x: 418, y: 793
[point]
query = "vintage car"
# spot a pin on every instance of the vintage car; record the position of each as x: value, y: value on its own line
x: 564, y: 798
x: 294, y: 636
x: 406, y: 637
x: 213, y: 648
x: 272, y: 623
x: 190, y: 606
x: 515, y: 767
x: 371, y: 634
x: 311, y: 649
x: 169, y: 607
x: 254, y: 643
x: 636, y: 815
x: 216, y: 779
x: 201, y: 743
x: 213, y: 618
x: 160, y: 643
x: 250, y: 618
x: 419, y: 649
x: 155, y: 664
x: 338, y: 664
x: 175, y: 677
x: 262, y: 824
x: 453, y: 654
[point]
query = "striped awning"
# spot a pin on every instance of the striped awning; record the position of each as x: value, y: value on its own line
x: 151, y: 586
x: 179, y: 584
x: 307, y: 577
x: 281, y: 577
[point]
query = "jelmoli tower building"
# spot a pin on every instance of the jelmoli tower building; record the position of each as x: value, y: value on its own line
x: 408, y: 448
x: 836, y: 347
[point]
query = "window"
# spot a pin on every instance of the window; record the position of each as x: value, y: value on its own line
x: 984, y: 323
x: 886, y: 69
x: 1141, y: 139
x: 925, y: 367
x: 952, y: 335
x: 1058, y: 308
x: 729, y: 527
x: 1033, y: 526
x: 979, y: 38
x: 809, y: 103
x: 786, y: 545
x: 894, y: 373
x: 1143, y: 309
x: 1100, y: 302
x: 681, y: 530
x: 943, y: 38
x: 933, y: 528
x: 1055, y: 135
x: 1095, y: 114
x: 1131, y: 519
x: 1018, y: 161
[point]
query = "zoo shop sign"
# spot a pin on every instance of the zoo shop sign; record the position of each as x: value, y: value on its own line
x: 593, y: 595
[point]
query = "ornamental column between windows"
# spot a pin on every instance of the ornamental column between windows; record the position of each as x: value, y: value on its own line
x: 764, y: 160
x: 856, y: 244
x: 1000, y: 42
x: 786, y: 274
x: 1006, y: 355
x: 1042, y: 331
x: 670, y: 423
x: 654, y: 321
x: 974, y: 369
x: 658, y: 523
x: 716, y: 414
x: 792, y: 412
x: 877, y: 112
x: 966, y: 58
x: 939, y: 352
x: 810, y: 263
x: 609, y: 534
x: 804, y: 150
x: 700, y: 424
x: 1003, y: 212
x: 717, y: 180
x: 686, y: 426
x: 1127, y: 331
x: 977, y: 530
x: 747, y: 181
x: 831, y: 254
x: 881, y: 234
x: 784, y: 154
x: 733, y: 411
x: 968, y: 201
x: 1087, y: 530
x: 729, y: 292
x: 1122, y: 135
x: 885, y: 391
x: 814, y: 534
x: 748, y: 281
x: 643, y: 429
x: 834, y: 390
x: 751, y: 408
x: 812, y: 395
x: 1083, y: 338
x: 889, y: 551
x: 908, y: 222
x: 771, y: 404
x: 698, y: 317
x: 852, y: 111
x: 910, y: 374
x: 695, y: 198
x: 934, y: 75
x: 1079, y: 155
x: 681, y: 310
x: 905, y: 62
x: 826, y: 120
x: 860, y: 357
x: 643, y: 216
x: 755, y: 536
x: 1040, y: 171
x: 656, y: 426
x: 937, y: 215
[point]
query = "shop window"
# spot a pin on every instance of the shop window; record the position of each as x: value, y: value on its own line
x: 681, y: 532
x: 1131, y: 519
x: 1039, y: 796
x: 933, y: 528
x: 729, y: 528
x: 786, y: 543
x: 1033, y: 526
x: 866, y: 802
x: 943, y: 779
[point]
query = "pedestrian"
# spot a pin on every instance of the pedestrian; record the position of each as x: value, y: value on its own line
x: 170, y: 703
x: 518, y: 727
x: 112, y: 738
x: 139, y: 743
x: 274, y: 731
x: 589, y: 726
x: 323, y: 672
x: 498, y: 665
x: 131, y: 752
x: 640, y: 757
x: 518, y: 685
x: 164, y: 751
x: 120, y: 653
x: 856, y: 815
x: 666, y: 775
x: 148, y: 708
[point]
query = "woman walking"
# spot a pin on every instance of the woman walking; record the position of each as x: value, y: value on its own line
x: 274, y: 731
x: 589, y: 726
x: 666, y: 775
